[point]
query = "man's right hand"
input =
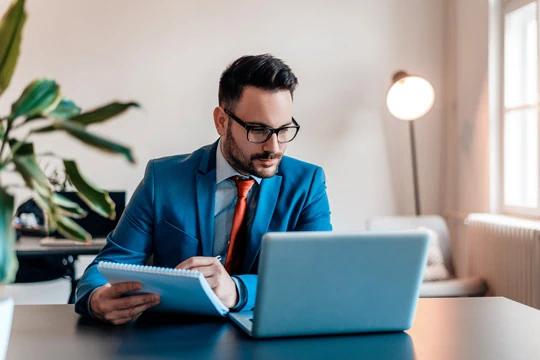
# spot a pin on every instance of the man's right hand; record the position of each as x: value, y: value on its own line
x: 108, y: 305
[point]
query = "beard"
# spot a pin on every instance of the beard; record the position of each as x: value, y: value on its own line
x: 245, y: 165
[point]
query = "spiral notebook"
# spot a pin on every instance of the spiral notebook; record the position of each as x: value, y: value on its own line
x: 180, y: 290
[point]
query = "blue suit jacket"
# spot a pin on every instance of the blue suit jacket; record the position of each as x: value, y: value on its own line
x: 171, y: 216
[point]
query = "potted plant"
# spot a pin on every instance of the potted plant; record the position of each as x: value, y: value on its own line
x: 41, y: 109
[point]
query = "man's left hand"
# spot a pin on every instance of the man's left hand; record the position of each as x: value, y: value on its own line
x: 218, y: 278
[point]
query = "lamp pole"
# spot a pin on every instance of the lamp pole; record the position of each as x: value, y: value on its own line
x: 414, y: 169
x: 409, y: 98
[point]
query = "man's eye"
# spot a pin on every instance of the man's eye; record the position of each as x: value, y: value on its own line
x: 259, y: 131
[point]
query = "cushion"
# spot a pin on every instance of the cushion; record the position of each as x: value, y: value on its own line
x: 435, y: 269
x: 472, y: 286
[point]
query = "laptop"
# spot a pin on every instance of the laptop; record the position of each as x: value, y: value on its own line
x: 318, y: 283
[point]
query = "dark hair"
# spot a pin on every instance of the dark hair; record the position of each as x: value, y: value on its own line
x: 261, y: 71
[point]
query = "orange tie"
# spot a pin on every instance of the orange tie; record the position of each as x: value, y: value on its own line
x: 237, y: 241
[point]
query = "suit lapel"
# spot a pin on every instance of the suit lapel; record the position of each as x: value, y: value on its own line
x: 206, y: 191
x: 266, y: 204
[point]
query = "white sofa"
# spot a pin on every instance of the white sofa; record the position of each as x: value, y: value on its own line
x: 453, y: 287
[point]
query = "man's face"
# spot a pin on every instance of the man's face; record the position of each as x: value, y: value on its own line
x: 256, y: 107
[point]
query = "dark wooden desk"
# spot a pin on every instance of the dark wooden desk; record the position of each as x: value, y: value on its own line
x: 456, y: 329
x: 28, y: 247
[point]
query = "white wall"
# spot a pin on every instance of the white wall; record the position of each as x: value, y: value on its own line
x: 169, y: 54
x: 468, y: 115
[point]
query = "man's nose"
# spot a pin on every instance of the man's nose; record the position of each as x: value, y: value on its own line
x: 272, y: 144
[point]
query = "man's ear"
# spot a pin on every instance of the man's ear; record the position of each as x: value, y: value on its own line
x: 220, y: 121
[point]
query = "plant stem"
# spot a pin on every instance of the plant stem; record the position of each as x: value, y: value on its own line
x: 4, y: 137
x: 49, y: 154
x: 13, y: 151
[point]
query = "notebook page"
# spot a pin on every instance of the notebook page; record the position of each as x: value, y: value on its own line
x: 183, y: 291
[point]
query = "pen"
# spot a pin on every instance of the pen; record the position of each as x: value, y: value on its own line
x: 219, y: 257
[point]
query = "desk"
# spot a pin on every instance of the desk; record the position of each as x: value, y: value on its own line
x: 457, y: 329
x: 31, y: 247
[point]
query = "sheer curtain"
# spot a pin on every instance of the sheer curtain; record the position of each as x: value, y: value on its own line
x: 466, y: 186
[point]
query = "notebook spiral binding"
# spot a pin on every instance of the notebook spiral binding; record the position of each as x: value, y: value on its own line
x: 149, y: 269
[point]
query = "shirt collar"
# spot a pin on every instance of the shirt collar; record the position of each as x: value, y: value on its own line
x: 224, y: 170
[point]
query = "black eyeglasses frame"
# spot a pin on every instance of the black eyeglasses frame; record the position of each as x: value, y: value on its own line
x: 272, y: 131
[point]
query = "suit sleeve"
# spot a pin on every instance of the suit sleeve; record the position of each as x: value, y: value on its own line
x: 250, y: 285
x: 315, y: 216
x: 130, y: 242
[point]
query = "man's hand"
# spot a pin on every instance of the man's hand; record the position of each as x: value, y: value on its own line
x: 218, y: 278
x: 108, y: 305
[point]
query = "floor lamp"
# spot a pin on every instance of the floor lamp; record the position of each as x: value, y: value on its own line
x: 409, y: 98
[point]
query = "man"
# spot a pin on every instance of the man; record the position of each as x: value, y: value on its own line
x: 208, y: 210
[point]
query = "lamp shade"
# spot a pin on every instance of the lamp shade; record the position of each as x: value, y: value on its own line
x: 410, y: 97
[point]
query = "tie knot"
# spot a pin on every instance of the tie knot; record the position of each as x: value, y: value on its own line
x: 244, y: 185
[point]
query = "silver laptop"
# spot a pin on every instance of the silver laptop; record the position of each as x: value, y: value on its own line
x: 315, y: 283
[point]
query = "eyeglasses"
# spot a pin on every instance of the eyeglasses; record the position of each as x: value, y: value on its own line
x: 259, y: 134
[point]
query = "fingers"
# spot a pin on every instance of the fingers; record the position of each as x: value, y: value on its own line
x: 108, y: 305
x: 215, y: 276
x: 210, y: 267
x: 224, y: 287
x: 121, y: 310
x: 132, y: 301
x: 119, y: 289
x: 213, y: 281
x: 207, y: 271
x: 120, y: 321
x: 197, y: 261
x: 215, y: 269
x: 122, y: 316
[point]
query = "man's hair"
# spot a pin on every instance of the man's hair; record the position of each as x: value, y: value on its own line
x: 261, y: 71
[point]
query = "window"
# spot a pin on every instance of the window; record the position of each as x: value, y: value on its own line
x: 521, y: 112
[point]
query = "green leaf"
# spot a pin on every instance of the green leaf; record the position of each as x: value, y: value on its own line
x: 40, y: 97
x: 65, y: 109
x: 8, y: 258
x: 97, y: 199
x: 103, y: 113
x: 26, y: 164
x: 68, y: 207
x: 16, y: 147
x: 45, y: 129
x: 21, y: 147
x: 11, y: 27
x: 55, y: 206
x: 98, y: 142
x: 71, y: 229
x: 43, y: 199
x: 92, y: 117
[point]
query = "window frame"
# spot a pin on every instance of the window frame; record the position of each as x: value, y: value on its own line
x: 534, y: 212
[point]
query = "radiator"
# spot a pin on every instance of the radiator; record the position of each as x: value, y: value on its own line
x: 506, y: 252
